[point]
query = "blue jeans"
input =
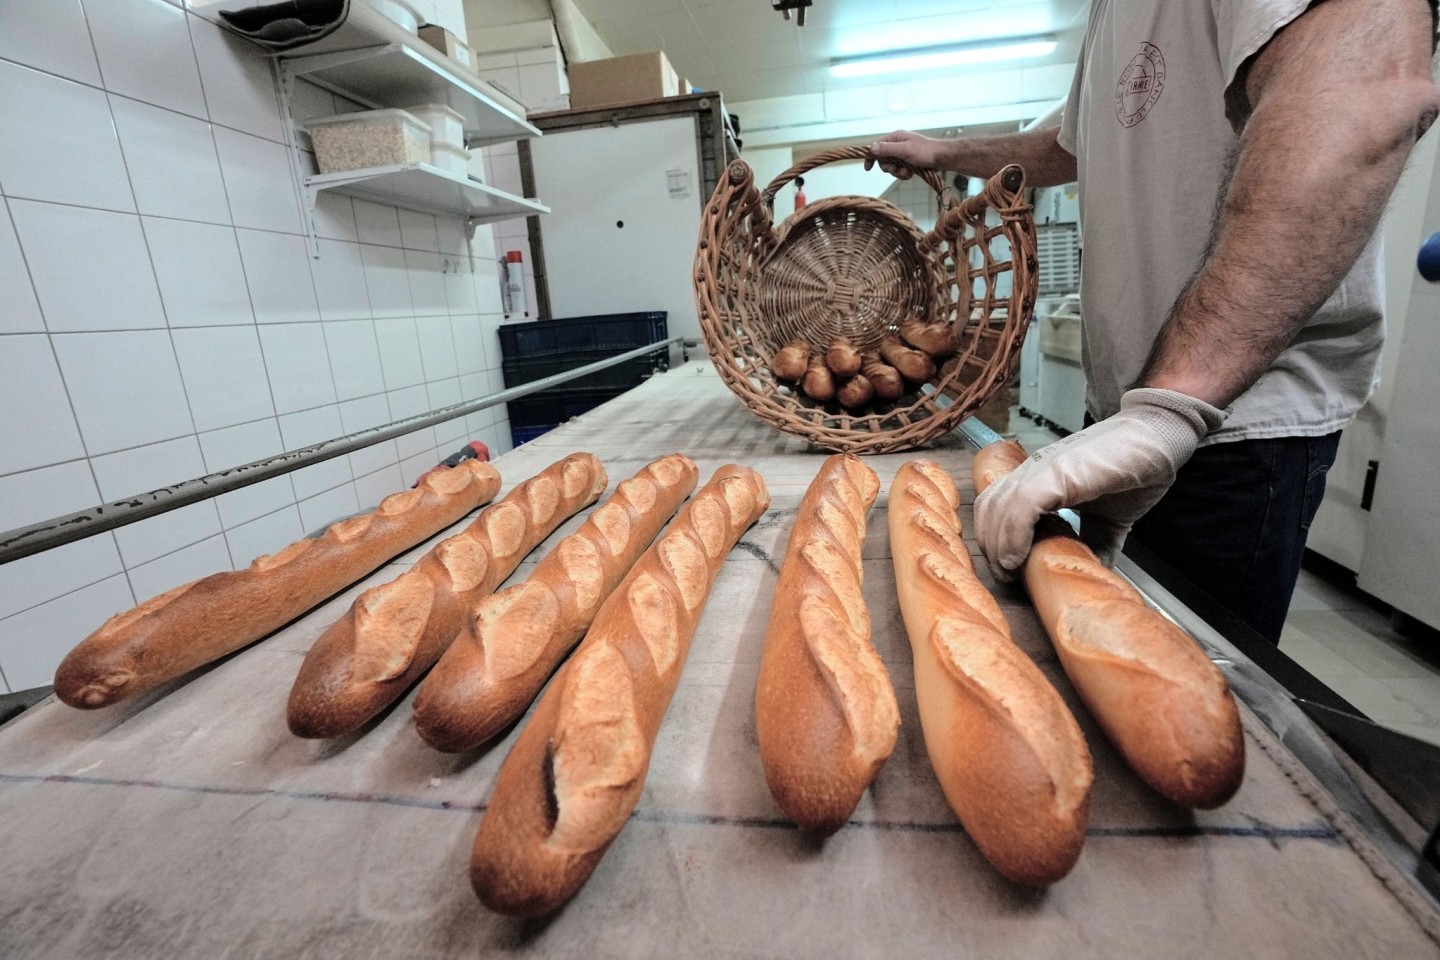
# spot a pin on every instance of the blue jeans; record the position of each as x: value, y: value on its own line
x: 1236, y: 520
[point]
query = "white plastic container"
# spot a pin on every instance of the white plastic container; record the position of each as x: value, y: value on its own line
x: 454, y: 160
x: 372, y: 138
x: 446, y: 125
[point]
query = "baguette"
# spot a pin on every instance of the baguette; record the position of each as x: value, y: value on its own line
x: 1009, y: 755
x: 1151, y: 688
x: 513, y: 640
x: 913, y: 364
x: 819, y: 382
x: 855, y: 393
x: 936, y: 339
x: 843, y: 358
x: 791, y: 360
x: 825, y: 711
x: 394, y: 632
x: 884, y: 379
x: 577, y: 769
x: 191, y: 625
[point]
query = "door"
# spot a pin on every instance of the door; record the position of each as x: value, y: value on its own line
x: 625, y: 218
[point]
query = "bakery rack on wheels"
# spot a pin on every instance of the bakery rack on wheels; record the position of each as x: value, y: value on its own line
x: 190, y: 823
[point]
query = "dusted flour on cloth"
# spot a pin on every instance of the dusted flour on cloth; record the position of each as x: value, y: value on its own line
x: 1146, y: 120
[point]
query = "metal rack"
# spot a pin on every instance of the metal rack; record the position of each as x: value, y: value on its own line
x: 375, y: 63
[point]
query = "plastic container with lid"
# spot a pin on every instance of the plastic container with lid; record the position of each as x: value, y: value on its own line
x: 371, y: 138
x: 446, y: 125
x: 454, y: 160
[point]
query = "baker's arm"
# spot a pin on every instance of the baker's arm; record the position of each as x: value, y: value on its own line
x: 1046, y: 163
x: 1337, y: 99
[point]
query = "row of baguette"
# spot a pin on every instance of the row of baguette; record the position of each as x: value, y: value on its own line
x: 1009, y: 756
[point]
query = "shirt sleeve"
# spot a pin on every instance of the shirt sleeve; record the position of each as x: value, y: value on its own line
x: 1243, y: 27
x: 1070, y: 117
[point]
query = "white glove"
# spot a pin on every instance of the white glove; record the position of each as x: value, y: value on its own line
x: 1112, y: 472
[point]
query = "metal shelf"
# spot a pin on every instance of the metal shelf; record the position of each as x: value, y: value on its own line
x: 400, y: 74
x: 427, y: 189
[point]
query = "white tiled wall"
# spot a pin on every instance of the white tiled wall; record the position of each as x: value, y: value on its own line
x: 502, y: 170
x: 160, y: 315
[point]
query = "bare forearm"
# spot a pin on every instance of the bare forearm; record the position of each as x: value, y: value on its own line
x: 1046, y: 163
x: 1317, y: 164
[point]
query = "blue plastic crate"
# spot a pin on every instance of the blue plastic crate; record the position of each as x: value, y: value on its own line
x: 521, y: 435
x: 608, y: 334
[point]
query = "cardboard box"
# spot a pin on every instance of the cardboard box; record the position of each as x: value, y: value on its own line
x: 448, y: 44
x: 640, y: 76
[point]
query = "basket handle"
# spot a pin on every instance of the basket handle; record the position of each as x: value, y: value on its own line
x: 1003, y: 193
x: 930, y: 176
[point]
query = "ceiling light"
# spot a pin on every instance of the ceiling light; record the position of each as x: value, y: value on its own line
x: 934, y: 58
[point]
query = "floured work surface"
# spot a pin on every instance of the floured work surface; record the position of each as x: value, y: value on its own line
x: 192, y: 824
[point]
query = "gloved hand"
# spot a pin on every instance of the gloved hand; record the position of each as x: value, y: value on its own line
x: 1111, y: 472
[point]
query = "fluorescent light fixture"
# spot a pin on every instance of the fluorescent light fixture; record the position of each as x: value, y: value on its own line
x: 934, y: 58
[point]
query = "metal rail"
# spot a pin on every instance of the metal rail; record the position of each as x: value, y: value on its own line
x: 58, y: 531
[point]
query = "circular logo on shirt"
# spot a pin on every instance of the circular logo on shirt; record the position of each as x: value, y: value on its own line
x: 1139, y: 85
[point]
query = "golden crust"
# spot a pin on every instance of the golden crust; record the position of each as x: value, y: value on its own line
x: 1007, y: 752
x: 1151, y: 688
x: 825, y: 711
x: 364, y: 661
x: 515, y: 639
x: 577, y: 770
x: 170, y: 635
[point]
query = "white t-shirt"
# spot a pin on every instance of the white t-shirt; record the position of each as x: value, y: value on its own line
x: 1146, y: 121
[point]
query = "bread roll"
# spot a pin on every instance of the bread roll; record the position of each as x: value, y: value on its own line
x: 843, y: 358
x: 1009, y: 756
x: 791, y: 361
x: 936, y: 339
x: 394, y: 632
x: 884, y: 379
x: 855, y: 393
x: 825, y: 711
x: 1151, y: 688
x: 819, y: 382
x: 913, y: 365
x: 577, y: 770
x: 191, y: 625
x: 513, y: 640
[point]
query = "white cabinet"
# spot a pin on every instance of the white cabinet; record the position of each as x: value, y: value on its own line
x: 1381, y: 513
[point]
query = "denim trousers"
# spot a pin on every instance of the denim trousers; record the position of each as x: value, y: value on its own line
x: 1236, y: 520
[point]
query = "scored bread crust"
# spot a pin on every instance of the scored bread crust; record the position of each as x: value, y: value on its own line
x: 193, y: 624
x: 1008, y: 754
x: 1149, y: 685
x: 513, y: 640
x: 577, y: 769
x: 825, y: 711
x: 394, y: 632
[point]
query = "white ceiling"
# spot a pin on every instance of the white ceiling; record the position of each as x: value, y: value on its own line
x: 748, y: 52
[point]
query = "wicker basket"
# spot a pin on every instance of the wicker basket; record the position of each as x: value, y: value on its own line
x: 856, y: 267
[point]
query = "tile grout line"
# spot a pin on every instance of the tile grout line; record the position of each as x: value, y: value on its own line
x: 169, y: 333
x: 50, y: 337
x: 213, y: 223
x: 158, y: 106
